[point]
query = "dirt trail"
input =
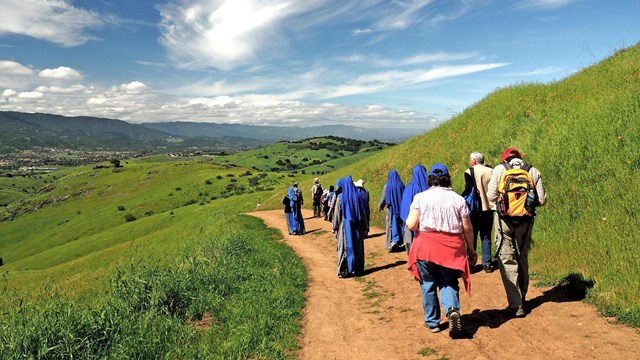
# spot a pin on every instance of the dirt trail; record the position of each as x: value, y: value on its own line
x: 379, y: 315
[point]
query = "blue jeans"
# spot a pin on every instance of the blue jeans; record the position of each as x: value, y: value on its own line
x: 436, y: 277
x: 482, y: 222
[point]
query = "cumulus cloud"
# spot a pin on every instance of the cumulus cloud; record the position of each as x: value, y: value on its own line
x: 61, y: 90
x: 56, y: 21
x: 133, y: 87
x: 30, y: 95
x: 8, y: 67
x: 7, y: 93
x: 61, y: 73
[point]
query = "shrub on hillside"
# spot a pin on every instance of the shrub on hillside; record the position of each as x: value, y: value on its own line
x: 129, y: 218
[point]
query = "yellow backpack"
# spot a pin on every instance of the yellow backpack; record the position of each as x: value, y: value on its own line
x: 517, y: 195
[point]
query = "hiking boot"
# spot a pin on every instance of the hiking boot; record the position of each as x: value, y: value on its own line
x: 434, y: 330
x: 488, y: 268
x: 455, y: 327
x: 520, y: 312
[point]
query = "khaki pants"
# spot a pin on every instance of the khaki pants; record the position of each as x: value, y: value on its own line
x: 514, y: 269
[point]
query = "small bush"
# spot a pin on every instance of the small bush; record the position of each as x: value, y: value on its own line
x: 120, y: 208
x: 130, y: 218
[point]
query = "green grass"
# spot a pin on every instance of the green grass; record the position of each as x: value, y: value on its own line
x: 81, y: 281
x: 426, y: 351
x: 310, y: 156
x: 241, y: 280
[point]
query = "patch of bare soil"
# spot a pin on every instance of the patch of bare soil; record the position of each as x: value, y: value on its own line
x: 379, y: 315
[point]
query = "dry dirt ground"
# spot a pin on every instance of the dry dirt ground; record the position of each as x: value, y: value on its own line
x: 379, y: 315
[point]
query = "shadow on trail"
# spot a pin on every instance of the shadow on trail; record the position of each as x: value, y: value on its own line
x: 572, y: 288
x: 312, y: 230
x: 383, y: 267
x: 370, y: 236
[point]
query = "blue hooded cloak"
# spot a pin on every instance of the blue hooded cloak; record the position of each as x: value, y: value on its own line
x: 294, y: 224
x: 353, y: 215
x: 418, y: 184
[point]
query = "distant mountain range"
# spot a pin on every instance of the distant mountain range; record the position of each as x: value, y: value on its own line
x: 277, y: 133
x: 21, y: 131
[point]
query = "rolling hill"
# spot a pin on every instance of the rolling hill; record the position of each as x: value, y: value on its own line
x: 185, y: 256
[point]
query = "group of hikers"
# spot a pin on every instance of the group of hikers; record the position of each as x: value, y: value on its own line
x: 438, y: 228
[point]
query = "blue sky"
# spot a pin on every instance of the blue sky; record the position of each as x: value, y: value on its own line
x: 372, y: 63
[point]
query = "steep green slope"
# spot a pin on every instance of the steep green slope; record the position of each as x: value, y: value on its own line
x: 583, y: 134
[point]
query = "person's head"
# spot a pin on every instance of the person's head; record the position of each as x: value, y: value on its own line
x: 476, y: 158
x: 359, y: 183
x: 439, y: 176
x: 511, y: 153
x: 331, y: 188
x: 295, y: 184
x: 316, y: 181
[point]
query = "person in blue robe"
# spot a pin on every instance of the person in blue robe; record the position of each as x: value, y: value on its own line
x: 417, y: 185
x: 391, y: 198
x: 348, y: 225
x: 294, y: 204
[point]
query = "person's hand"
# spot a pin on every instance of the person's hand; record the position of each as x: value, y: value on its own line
x: 473, y: 257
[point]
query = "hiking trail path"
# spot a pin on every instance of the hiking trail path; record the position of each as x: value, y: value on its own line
x: 379, y: 315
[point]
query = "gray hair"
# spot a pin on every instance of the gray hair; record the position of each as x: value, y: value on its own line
x: 478, y: 157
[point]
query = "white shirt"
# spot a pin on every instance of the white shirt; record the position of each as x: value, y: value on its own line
x: 441, y: 209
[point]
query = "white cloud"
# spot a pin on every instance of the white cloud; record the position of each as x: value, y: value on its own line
x: 427, y: 58
x: 383, y: 81
x: 7, y: 93
x: 222, y: 34
x: 97, y: 101
x: 542, y: 4
x: 61, y: 73
x: 544, y: 71
x: 403, y: 15
x: 30, y: 95
x: 56, y: 21
x: 133, y: 87
x: 8, y: 67
x: 60, y: 90
x: 229, y: 34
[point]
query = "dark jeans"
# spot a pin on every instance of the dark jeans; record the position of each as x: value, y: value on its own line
x: 482, y: 222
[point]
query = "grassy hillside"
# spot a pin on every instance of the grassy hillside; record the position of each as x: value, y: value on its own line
x: 583, y: 134
x: 98, y: 257
x: 313, y: 156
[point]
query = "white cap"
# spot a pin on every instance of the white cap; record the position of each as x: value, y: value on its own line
x: 359, y: 183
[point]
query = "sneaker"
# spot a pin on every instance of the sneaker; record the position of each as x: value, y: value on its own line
x: 433, y: 329
x: 520, y: 312
x: 455, y: 327
x: 487, y: 268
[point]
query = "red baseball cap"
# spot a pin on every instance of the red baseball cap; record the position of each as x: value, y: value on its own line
x: 510, y: 153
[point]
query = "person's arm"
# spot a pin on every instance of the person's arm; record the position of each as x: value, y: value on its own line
x: 383, y: 198
x: 542, y: 195
x: 492, y: 188
x: 337, y: 215
x: 467, y: 232
x: 413, y: 220
x: 468, y: 183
